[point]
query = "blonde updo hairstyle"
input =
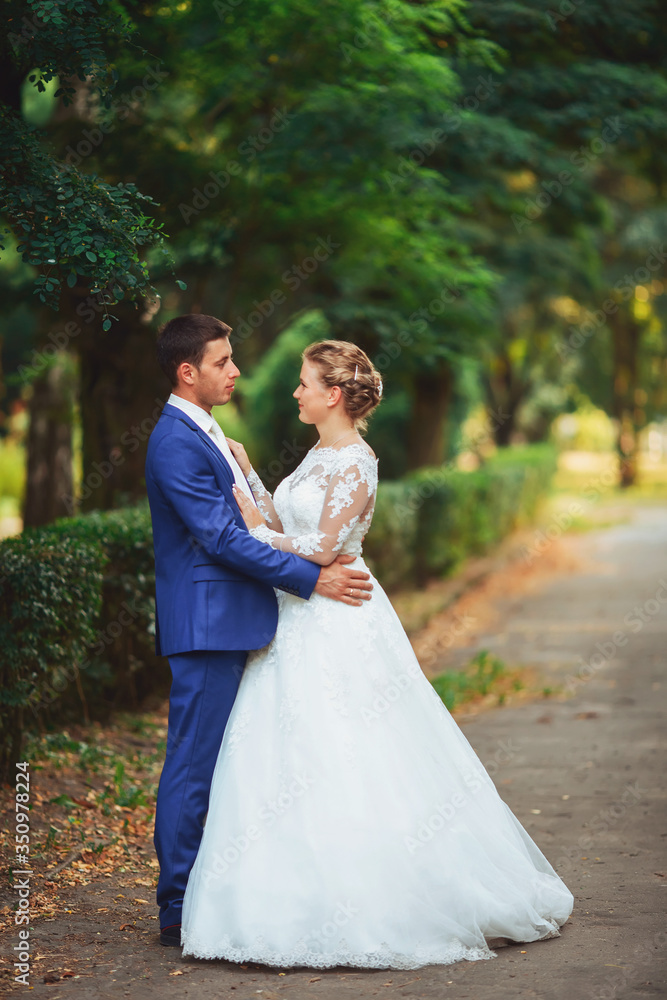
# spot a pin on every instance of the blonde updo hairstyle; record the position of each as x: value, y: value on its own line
x: 338, y: 362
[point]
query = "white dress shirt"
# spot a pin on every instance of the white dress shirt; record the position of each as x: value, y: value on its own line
x: 208, y: 423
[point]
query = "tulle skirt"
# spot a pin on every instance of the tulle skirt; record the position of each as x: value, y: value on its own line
x: 350, y: 822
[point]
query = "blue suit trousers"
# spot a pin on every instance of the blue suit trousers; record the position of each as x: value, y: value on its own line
x: 204, y: 686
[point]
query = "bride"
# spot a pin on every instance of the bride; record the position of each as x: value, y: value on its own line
x: 350, y: 822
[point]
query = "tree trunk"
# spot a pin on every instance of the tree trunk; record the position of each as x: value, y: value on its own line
x: 503, y: 422
x: 626, y: 338
x: 49, y: 464
x: 432, y: 394
x: 122, y: 392
x: 504, y: 393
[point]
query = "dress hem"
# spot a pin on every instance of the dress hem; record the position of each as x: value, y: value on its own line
x: 315, y: 961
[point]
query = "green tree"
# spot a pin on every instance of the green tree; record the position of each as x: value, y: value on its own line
x: 274, y: 147
x: 548, y: 161
x: 76, y: 232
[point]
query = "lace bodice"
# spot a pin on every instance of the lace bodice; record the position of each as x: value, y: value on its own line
x: 324, y: 507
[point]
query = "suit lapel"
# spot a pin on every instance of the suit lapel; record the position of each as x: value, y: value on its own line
x: 173, y: 411
x: 212, y: 446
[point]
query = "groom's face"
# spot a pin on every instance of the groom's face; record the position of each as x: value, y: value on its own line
x: 212, y: 384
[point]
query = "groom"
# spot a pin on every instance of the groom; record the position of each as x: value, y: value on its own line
x: 214, y: 587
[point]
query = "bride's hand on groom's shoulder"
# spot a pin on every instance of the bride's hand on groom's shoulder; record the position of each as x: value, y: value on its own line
x: 249, y: 511
x: 239, y: 453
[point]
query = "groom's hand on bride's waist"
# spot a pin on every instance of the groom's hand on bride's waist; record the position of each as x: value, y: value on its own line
x: 337, y: 581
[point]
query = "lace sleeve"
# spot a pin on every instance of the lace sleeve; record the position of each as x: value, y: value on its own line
x: 349, y: 497
x: 264, y: 501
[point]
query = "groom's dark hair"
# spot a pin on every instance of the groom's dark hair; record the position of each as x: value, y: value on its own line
x: 184, y: 339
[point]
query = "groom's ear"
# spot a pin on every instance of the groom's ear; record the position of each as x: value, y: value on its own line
x: 184, y: 372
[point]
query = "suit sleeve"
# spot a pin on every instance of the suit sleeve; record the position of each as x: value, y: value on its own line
x: 184, y: 477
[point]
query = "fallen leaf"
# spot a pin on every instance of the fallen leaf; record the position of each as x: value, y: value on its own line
x: 176, y: 972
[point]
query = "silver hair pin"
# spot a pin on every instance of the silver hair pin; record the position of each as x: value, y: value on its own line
x: 356, y: 369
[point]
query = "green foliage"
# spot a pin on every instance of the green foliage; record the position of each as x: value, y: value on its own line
x: 115, y: 666
x: 64, y: 38
x: 306, y: 114
x: 423, y: 143
x: 12, y: 469
x: 565, y: 166
x: 271, y: 427
x: 70, y: 225
x: 478, y: 679
x: 428, y: 523
x: 271, y: 414
x: 585, y: 429
x: 73, y: 227
x: 50, y: 600
x: 78, y: 613
x: 390, y: 544
x: 123, y: 793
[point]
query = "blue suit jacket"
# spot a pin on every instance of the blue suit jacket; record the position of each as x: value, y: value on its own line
x: 213, y: 581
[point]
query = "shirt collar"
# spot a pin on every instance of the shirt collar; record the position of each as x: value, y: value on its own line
x: 201, y: 417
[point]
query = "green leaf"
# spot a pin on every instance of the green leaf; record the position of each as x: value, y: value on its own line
x: 181, y: 284
x: 106, y: 326
x: 91, y: 256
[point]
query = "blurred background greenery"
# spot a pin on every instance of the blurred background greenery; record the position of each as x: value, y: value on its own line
x: 472, y: 191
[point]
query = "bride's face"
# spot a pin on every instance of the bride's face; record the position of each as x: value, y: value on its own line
x: 313, y: 396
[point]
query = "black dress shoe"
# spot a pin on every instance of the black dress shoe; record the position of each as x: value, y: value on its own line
x: 171, y: 936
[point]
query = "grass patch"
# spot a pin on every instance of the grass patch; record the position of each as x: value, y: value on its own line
x: 581, y: 525
x: 485, y: 678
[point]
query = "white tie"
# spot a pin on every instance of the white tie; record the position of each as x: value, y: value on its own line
x: 217, y: 435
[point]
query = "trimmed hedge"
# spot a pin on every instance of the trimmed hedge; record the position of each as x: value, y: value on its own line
x: 428, y: 523
x: 77, y: 622
x: 77, y: 607
x: 50, y: 597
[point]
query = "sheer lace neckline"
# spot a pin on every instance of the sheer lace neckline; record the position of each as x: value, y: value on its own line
x: 355, y: 444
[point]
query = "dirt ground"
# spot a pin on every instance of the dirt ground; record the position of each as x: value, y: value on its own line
x: 582, y: 770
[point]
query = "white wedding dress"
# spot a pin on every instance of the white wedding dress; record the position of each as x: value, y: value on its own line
x: 350, y: 822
